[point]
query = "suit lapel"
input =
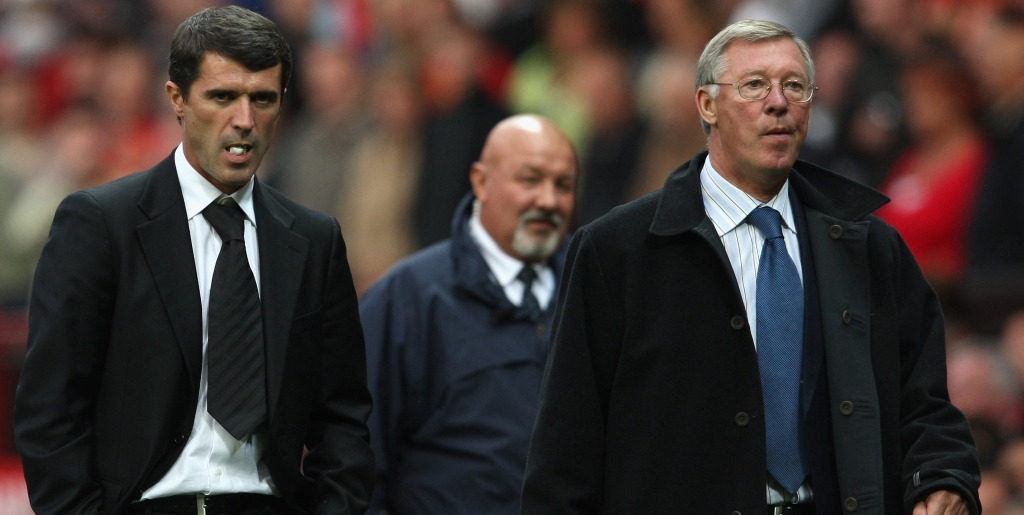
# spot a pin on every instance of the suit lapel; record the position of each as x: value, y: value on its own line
x: 282, y: 265
x: 167, y: 246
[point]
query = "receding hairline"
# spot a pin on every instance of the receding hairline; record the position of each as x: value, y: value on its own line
x: 508, y: 130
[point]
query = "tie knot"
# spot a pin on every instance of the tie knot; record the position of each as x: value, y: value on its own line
x: 767, y: 220
x: 227, y: 218
x: 527, y: 275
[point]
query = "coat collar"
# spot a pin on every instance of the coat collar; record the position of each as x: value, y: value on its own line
x: 470, y: 270
x: 681, y: 207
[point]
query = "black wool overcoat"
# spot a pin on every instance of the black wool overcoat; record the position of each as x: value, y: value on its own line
x: 650, y: 369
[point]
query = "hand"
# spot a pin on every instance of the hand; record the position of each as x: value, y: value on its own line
x: 942, y: 502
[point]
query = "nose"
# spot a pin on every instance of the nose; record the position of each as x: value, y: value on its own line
x: 242, y: 118
x: 776, y: 103
x: 546, y: 196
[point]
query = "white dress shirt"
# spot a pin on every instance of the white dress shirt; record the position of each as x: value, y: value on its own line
x: 213, y: 462
x: 728, y: 206
x: 505, y: 268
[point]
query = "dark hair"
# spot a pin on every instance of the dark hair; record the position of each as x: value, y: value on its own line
x: 233, y: 32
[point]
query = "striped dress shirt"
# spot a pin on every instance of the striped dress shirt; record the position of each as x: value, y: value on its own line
x: 728, y: 206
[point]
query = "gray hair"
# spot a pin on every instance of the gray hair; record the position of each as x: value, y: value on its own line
x: 712, y: 64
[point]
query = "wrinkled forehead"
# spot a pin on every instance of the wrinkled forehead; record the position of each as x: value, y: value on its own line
x: 778, y: 57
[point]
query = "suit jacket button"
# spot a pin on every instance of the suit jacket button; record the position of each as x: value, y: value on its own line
x: 850, y: 504
x: 835, y: 232
x: 742, y: 419
x: 847, y: 317
x: 846, y: 407
x: 178, y: 440
x: 736, y: 513
x: 738, y: 322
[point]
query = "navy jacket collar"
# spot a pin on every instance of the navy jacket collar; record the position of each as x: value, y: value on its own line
x: 471, y: 273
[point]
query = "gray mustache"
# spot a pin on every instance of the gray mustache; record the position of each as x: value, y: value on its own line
x: 537, y: 215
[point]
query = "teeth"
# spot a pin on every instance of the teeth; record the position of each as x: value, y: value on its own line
x: 236, y: 150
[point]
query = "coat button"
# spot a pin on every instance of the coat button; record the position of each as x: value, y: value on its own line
x: 738, y: 322
x: 736, y: 513
x: 835, y: 232
x: 850, y: 504
x: 179, y: 439
x: 742, y: 419
x: 847, y: 317
x: 846, y: 407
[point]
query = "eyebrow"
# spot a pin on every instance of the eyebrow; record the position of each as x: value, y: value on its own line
x: 266, y: 93
x: 761, y: 73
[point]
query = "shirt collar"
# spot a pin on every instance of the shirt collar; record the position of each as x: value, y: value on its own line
x: 199, y: 192
x: 504, y: 267
x: 728, y: 206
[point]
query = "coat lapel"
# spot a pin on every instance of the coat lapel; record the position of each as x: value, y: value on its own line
x: 282, y: 265
x: 167, y: 246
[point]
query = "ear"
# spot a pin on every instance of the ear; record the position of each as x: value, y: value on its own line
x: 177, y: 99
x: 478, y: 180
x: 707, y: 107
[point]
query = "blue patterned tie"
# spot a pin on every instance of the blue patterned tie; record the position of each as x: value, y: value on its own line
x: 780, y: 336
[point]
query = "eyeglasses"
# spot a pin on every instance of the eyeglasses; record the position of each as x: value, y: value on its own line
x: 756, y: 88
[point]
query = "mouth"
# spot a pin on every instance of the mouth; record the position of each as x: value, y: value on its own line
x: 542, y: 222
x: 238, y: 152
x: 779, y: 131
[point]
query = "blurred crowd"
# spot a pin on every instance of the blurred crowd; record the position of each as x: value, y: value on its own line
x: 392, y: 99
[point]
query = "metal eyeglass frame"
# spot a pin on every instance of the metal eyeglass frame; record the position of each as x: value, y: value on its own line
x: 811, y: 87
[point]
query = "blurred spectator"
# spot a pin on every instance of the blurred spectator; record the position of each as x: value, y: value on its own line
x: 682, y: 26
x: 20, y: 149
x: 458, y: 117
x: 1012, y: 344
x: 804, y: 17
x: 312, y: 162
x: 1010, y: 467
x: 981, y: 385
x: 934, y: 182
x: 674, y: 135
x: 871, y: 135
x: 73, y: 155
x: 28, y: 31
x: 837, y: 56
x: 993, y: 41
x: 21, y: 153
x: 375, y: 208
x: 609, y: 161
x: 70, y: 76
x: 994, y: 493
x: 572, y: 28
x: 132, y: 137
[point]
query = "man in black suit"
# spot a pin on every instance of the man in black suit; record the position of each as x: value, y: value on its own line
x: 191, y: 330
x: 749, y: 339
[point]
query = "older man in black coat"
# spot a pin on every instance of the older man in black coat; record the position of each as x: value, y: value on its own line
x: 705, y: 360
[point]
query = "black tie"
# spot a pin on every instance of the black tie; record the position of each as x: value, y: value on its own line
x: 234, y: 354
x: 529, y: 304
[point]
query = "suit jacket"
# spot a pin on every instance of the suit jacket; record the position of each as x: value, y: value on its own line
x: 651, y: 401
x: 110, y: 382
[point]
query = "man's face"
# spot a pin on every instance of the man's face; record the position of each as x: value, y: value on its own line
x: 527, y: 194
x: 228, y: 119
x: 755, y: 140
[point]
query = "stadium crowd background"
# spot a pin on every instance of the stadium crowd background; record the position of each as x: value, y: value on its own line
x: 391, y: 100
